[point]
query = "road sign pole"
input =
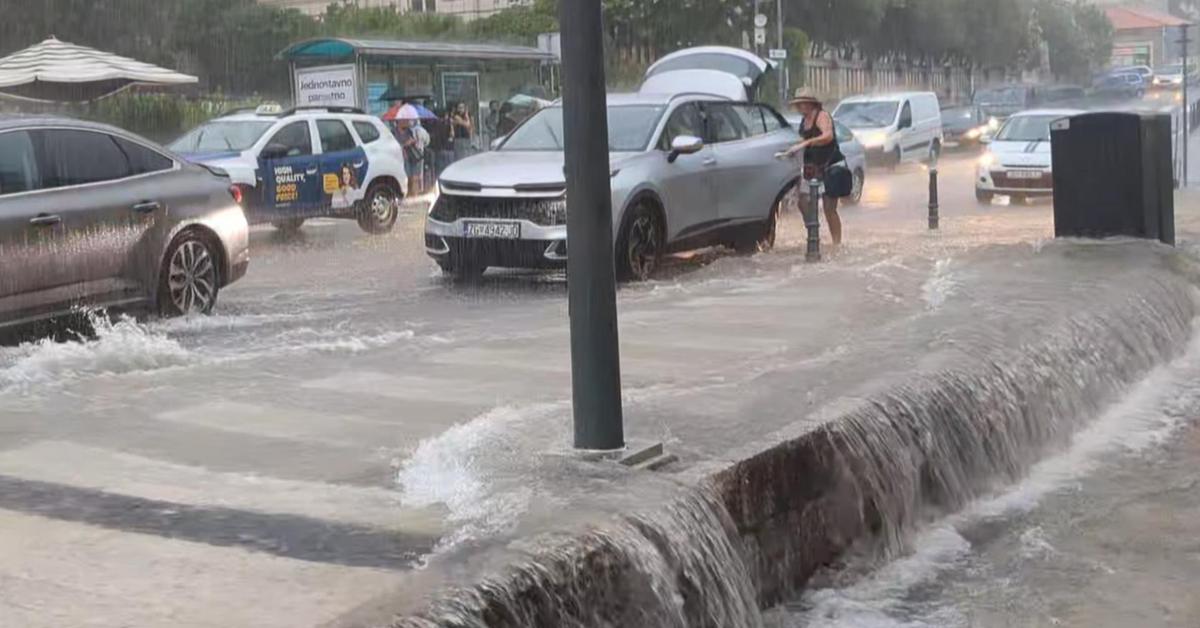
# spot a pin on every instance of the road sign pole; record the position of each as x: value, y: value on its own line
x: 591, y: 277
x: 783, y: 65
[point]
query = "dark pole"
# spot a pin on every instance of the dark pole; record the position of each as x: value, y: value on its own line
x: 1187, y: 119
x: 933, y: 190
x: 591, y: 277
x: 812, y: 220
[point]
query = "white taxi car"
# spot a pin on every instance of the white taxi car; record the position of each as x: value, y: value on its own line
x: 1017, y: 161
x: 305, y: 162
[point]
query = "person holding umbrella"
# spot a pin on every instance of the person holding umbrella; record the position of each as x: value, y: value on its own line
x: 405, y: 119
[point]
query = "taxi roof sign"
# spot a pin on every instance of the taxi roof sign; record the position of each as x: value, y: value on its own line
x: 268, y: 109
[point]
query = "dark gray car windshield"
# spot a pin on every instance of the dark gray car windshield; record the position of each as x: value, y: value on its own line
x: 858, y: 115
x: 221, y: 135
x: 1026, y: 129
x: 629, y: 129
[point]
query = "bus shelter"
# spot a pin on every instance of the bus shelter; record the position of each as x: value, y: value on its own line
x: 373, y: 74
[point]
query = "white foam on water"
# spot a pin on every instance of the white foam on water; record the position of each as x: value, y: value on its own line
x: 121, y: 346
x: 478, y: 470
x: 941, y: 285
x: 1151, y: 411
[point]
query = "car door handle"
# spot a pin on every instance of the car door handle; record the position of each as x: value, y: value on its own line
x: 711, y: 161
x: 45, y: 220
x: 311, y: 171
x: 147, y: 207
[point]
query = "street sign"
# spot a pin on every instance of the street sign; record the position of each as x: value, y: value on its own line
x: 760, y: 20
x: 777, y: 54
x: 760, y: 36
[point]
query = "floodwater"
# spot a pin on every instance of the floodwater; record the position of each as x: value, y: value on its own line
x: 1101, y: 535
x: 349, y: 425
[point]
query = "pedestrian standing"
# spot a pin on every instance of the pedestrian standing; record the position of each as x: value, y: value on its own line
x: 463, y: 130
x: 821, y: 153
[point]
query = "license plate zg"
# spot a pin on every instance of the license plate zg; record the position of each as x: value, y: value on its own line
x: 1025, y: 174
x: 496, y: 230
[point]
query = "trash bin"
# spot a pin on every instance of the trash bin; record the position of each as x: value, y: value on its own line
x: 1113, y: 176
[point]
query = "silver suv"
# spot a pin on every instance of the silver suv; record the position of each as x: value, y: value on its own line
x: 92, y: 215
x: 688, y: 169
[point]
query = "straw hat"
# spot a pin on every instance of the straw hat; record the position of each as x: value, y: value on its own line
x: 804, y: 95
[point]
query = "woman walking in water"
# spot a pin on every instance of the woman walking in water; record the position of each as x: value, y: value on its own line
x: 821, y: 151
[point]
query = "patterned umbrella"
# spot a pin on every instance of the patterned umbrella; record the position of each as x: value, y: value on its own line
x: 58, y: 71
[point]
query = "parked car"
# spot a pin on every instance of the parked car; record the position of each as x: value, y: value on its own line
x: 1001, y: 101
x: 894, y: 127
x: 305, y: 162
x: 1017, y: 161
x: 1120, y: 86
x: 852, y: 149
x: 966, y: 126
x: 93, y: 216
x: 1144, y: 71
x: 689, y: 169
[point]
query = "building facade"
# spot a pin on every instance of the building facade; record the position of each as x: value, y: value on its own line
x: 466, y: 9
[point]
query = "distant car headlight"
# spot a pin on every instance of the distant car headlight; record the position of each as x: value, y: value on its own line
x: 986, y: 160
x: 874, y: 139
x: 973, y: 133
x: 993, y: 123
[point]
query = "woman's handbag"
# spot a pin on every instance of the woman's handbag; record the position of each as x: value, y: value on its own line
x: 839, y: 182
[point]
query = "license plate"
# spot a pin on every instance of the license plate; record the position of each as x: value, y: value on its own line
x: 1024, y: 174
x: 497, y: 230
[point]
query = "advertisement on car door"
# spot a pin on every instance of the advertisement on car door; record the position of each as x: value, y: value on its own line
x: 342, y: 181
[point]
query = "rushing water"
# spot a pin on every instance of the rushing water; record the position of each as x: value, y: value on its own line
x: 899, y: 479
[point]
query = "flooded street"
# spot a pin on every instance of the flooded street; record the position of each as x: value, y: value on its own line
x: 351, y: 425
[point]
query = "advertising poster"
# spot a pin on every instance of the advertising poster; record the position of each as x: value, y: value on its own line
x: 327, y: 86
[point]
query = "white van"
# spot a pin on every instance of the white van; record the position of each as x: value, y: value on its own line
x: 894, y: 128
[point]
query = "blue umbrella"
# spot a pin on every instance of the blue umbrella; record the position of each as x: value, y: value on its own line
x: 424, y: 113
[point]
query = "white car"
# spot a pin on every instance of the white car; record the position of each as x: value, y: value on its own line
x: 894, y: 128
x: 305, y: 162
x: 1017, y: 161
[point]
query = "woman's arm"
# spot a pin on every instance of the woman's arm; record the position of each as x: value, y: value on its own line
x: 825, y: 125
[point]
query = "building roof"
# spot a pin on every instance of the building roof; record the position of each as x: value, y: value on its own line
x: 335, y: 48
x: 1135, y: 18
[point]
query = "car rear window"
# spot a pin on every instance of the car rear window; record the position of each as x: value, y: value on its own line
x: 366, y: 131
x: 143, y: 160
x: 335, y: 137
x: 76, y: 157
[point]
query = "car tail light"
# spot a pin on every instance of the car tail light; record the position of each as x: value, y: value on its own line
x: 238, y: 196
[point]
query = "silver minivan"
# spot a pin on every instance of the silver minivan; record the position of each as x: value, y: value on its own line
x: 691, y: 167
x: 894, y: 128
x: 93, y: 216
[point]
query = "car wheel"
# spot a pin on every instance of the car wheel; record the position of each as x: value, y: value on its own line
x: 189, y: 280
x: 378, y: 211
x: 856, y: 187
x: 983, y: 197
x: 289, y: 226
x: 760, y: 237
x: 640, y: 245
x: 895, y: 160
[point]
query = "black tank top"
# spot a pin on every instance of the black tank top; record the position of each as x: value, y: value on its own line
x: 820, y: 156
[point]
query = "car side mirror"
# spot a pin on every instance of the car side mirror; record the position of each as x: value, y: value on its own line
x: 274, y: 151
x: 684, y: 145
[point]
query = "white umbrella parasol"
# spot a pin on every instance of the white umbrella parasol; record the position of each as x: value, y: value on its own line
x: 58, y: 71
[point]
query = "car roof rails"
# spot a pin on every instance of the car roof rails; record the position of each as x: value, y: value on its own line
x: 288, y: 112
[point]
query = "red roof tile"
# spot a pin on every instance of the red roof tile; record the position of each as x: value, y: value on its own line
x: 1131, y: 18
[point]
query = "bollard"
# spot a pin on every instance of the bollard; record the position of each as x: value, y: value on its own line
x: 812, y: 221
x: 933, y: 196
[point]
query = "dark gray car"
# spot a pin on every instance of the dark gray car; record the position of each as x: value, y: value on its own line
x: 93, y: 216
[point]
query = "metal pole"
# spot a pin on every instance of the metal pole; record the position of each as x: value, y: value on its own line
x: 591, y: 277
x: 1187, y: 119
x: 757, y: 10
x: 933, y: 194
x: 783, y: 74
x: 812, y: 221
